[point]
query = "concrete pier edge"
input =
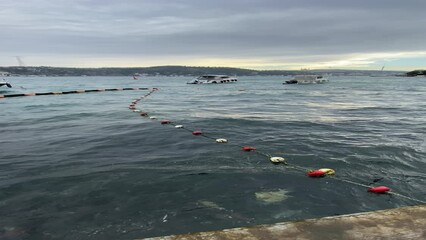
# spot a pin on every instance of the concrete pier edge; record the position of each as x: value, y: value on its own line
x: 398, y: 223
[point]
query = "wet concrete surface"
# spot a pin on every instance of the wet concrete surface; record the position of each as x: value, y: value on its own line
x: 399, y: 223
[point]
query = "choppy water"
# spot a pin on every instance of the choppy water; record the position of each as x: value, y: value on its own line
x: 83, y: 166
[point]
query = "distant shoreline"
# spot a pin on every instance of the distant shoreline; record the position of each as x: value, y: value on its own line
x: 180, y: 71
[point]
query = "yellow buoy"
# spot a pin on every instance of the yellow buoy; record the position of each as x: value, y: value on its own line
x: 327, y: 171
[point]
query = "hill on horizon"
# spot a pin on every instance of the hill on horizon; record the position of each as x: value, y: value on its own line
x: 169, y: 71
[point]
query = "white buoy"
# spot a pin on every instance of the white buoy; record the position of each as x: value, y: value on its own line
x: 277, y: 159
x: 179, y: 126
x: 221, y: 140
x: 153, y: 117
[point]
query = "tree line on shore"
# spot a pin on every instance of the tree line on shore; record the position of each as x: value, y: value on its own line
x: 175, y: 71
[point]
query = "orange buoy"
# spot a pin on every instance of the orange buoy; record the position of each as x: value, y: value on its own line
x: 197, y: 132
x: 248, y: 149
x: 379, y: 189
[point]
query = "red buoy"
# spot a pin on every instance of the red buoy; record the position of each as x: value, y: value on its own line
x: 197, y: 132
x: 144, y: 114
x: 380, y: 189
x: 316, y: 173
x: 248, y: 149
x: 165, y: 122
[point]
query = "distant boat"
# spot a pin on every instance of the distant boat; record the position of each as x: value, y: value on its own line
x: 4, y: 83
x: 381, y: 74
x: 213, y: 79
x: 307, y: 79
x: 136, y: 76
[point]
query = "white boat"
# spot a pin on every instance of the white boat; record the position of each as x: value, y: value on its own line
x: 4, y: 83
x: 307, y: 79
x: 207, y: 79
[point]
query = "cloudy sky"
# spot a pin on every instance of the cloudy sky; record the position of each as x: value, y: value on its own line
x: 256, y: 34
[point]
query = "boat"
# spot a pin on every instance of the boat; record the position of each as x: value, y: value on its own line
x: 4, y: 83
x: 381, y: 74
x: 136, y: 76
x: 307, y: 79
x: 208, y: 79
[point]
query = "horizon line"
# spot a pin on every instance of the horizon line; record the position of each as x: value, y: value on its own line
x: 308, y: 69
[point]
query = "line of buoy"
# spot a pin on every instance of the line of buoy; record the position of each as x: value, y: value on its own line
x: 71, y: 92
x: 132, y: 105
x: 323, y: 172
x: 274, y: 160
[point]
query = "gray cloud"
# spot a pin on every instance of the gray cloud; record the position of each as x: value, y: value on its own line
x: 253, y: 29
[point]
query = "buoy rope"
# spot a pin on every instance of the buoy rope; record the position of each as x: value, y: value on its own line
x: 214, y: 139
x: 407, y: 197
x: 70, y: 92
x: 349, y: 181
x: 285, y: 163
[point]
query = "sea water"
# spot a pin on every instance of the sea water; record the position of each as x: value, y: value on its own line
x: 84, y: 166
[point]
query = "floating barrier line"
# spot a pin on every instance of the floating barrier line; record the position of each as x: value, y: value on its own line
x: 407, y: 197
x: 70, y: 92
x: 368, y: 186
x: 349, y: 181
x: 213, y: 138
x: 287, y: 165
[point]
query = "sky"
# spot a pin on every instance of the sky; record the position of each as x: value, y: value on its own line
x: 254, y: 34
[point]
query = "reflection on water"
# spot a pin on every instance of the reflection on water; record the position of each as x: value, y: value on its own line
x: 341, y: 105
x: 272, y: 196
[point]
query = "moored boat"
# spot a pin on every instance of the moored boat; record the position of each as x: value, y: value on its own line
x: 4, y: 83
x: 307, y: 79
